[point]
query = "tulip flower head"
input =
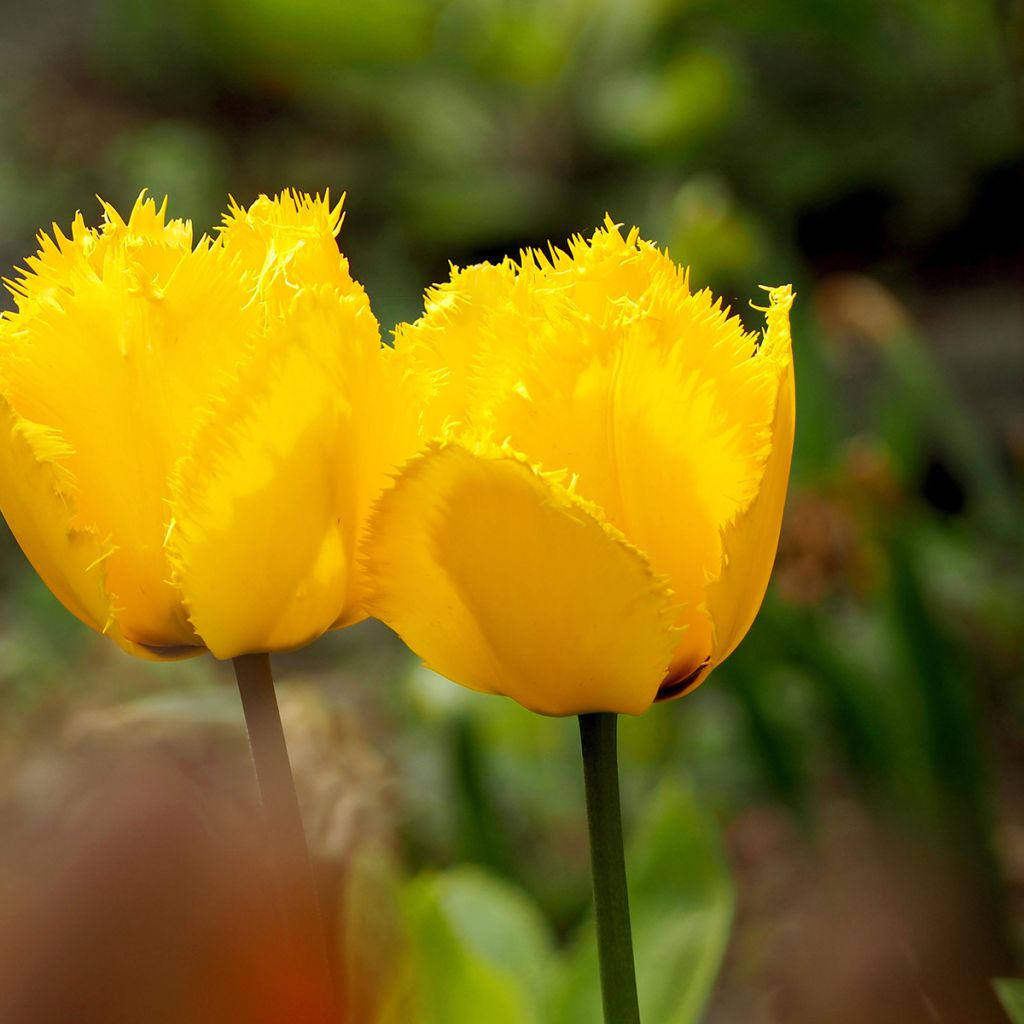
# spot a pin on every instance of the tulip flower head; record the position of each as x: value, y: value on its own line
x: 192, y: 436
x: 595, y: 525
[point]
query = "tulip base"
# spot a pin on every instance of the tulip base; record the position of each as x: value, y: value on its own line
x: 608, y: 863
x: 285, y: 832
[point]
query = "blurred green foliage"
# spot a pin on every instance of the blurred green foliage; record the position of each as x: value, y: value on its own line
x: 767, y: 142
x: 1012, y: 994
x: 462, y: 128
x: 465, y: 938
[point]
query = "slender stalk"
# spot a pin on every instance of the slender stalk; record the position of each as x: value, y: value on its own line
x: 608, y: 863
x: 281, y: 811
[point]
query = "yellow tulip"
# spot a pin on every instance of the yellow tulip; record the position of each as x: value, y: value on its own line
x: 192, y: 436
x: 595, y: 525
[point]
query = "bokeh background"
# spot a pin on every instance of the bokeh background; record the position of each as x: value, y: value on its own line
x: 832, y: 829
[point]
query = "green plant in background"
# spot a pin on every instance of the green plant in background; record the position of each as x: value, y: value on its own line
x: 464, y: 938
x: 468, y: 127
x: 1011, y: 992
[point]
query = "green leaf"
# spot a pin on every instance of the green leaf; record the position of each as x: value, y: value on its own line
x: 681, y: 901
x: 503, y: 927
x: 1011, y: 995
x: 478, y: 946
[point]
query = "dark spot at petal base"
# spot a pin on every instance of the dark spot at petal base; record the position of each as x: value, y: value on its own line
x: 677, y: 687
x: 174, y: 652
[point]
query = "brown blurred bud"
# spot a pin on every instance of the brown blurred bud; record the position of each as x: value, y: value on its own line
x: 818, y: 548
x: 343, y: 784
x: 869, y: 476
x: 136, y: 882
x: 155, y: 903
x: 1014, y: 437
x: 854, y: 309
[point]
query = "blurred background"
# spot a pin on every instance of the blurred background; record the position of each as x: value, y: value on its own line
x: 832, y: 829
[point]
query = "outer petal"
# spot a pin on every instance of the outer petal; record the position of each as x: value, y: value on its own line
x: 751, y: 540
x: 268, y: 507
x: 505, y: 581
x: 37, y: 496
x: 110, y: 356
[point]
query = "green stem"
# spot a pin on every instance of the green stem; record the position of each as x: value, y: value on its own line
x: 281, y: 811
x: 608, y: 863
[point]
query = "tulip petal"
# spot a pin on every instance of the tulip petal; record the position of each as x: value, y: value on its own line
x: 750, y: 541
x: 502, y: 579
x: 156, y: 246
x: 37, y: 495
x: 287, y: 243
x: 457, y: 344
x: 111, y: 358
x: 267, y: 508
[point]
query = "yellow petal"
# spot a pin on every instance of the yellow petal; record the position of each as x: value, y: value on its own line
x: 751, y: 540
x: 155, y: 244
x: 37, y: 498
x: 112, y: 361
x: 287, y: 243
x: 502, y: 579
x: 454, y: 343
x: 605, y: 275
x: 268, y: 507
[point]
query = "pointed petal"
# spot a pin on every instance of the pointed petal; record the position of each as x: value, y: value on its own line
x: 751, y: 540
x: 287, y: 243
x: 155, y: 245
x: 268, y: 507
x: 503, y: 580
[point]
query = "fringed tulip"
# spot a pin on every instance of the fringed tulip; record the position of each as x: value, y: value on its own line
x: 594, y: 527
x: 192, y: 436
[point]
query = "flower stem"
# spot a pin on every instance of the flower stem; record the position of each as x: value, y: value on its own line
x: 283, y: 818
x: 608, y: 863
